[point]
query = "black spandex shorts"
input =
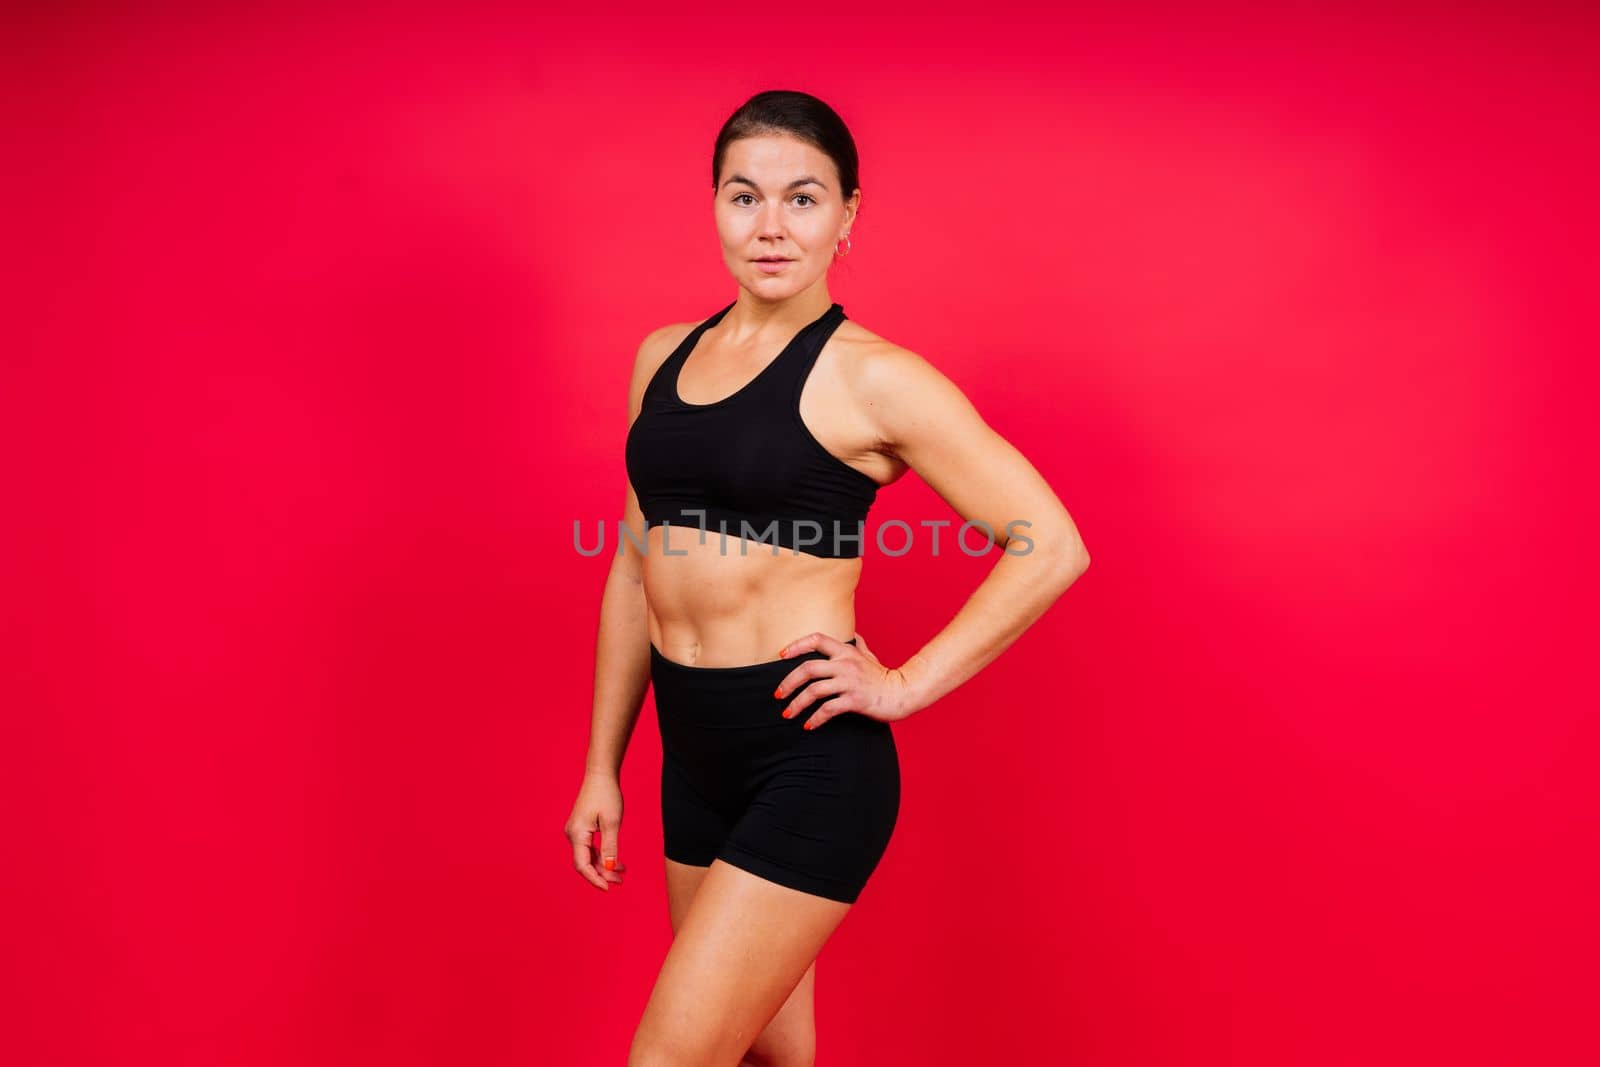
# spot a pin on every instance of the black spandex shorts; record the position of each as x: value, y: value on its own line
x: 809, y: 809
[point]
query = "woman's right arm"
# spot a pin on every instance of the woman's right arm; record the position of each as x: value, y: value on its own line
x: 621, y: 671
x: 621, y: 655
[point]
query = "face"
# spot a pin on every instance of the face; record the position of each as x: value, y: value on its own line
x: 779, y: 196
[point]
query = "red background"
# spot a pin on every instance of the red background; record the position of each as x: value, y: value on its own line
x: 319, y: 342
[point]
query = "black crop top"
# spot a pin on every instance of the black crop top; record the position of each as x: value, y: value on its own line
x: 746, y: 465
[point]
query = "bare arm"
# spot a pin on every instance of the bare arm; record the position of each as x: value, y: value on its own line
x: 925, y: 420
x: 621, y: 656
x: 622, y: 644
x: 621, y: 676
x: 621, y: 673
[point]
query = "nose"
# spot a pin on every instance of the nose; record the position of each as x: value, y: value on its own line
x: 772, y: 219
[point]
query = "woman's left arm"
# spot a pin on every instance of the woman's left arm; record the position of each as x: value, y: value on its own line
x: 924, y: 420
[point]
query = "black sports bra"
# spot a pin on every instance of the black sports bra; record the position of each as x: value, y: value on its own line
x: 746, y: 465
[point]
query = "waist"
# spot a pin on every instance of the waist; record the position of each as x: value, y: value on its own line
x: 705, y: 607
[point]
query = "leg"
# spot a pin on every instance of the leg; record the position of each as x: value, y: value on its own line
x: 742, y: 948
x: 683, y: 879
x: 790, y: 1039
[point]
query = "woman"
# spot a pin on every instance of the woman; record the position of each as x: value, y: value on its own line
x: 777, y: 420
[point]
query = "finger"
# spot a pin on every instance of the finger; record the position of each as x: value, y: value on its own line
x: 814, y: 693
x: 582, y: 860
x: 811, y: 668
x: 861, y: 646
x: 590, y: 858
x: 610, y: 830
x: 826, y: 711
x: 798, y: 646
x: 813, y: 642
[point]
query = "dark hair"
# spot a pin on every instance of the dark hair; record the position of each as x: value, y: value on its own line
x: 797, y: 114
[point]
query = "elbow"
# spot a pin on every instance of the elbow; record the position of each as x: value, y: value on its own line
x: 1073, y: 565
x: 1062, y: 561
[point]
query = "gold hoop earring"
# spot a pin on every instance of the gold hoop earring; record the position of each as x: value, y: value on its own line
x: 846, y: 251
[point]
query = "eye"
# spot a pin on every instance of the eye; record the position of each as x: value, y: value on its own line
x: 737, y: 197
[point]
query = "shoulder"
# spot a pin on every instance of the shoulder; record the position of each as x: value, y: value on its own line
x: 653, y: 351
x: 657, y: 345
x: 891, y: 382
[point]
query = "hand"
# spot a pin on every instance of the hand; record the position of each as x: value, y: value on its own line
x: 851, y: 675
x: 598, y: 809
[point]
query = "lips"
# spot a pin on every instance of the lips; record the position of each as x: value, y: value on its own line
x: 773, y: 259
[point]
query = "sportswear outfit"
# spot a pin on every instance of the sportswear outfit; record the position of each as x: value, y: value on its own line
x: 809, y: 809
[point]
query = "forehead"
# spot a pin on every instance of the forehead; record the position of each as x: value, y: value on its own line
x: 775, y: 159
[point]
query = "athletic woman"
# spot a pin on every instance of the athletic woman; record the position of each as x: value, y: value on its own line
x: 758, y: 439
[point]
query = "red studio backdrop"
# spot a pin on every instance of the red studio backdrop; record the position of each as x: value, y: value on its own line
x: 317, y: 345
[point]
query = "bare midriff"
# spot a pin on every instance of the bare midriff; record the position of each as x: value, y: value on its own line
x: 730, y: 602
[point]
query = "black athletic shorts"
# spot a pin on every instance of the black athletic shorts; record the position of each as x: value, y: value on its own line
x: 809, y: 809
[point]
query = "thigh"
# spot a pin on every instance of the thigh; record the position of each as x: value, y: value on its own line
x: 742, y: 947
x: 683, y: 879
x: 791, y: 1036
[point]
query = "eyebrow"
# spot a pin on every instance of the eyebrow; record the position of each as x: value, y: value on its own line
x: 797, y: 183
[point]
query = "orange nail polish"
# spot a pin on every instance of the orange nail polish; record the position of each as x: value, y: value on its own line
x: 611, y: 863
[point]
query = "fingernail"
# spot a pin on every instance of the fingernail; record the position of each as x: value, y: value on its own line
x: 810, y: 723
x: 788, y: 713
x: 782, y: 650
x: 777, y: 694
x: 611, y: 863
